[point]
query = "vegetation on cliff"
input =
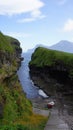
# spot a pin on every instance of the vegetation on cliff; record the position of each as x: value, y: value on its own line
x: 10, y: 53
x: 5, y: 44
x: 15, y: 110
x: 52, y: 71
x: 57, y: 60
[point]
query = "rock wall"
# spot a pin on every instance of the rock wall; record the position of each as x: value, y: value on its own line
x: 10, y: 60
x: 53, y: 67
x: 12, y: 98
x: 55, y: 81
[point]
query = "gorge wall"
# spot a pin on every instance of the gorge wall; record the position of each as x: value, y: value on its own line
x: 13, y: 102
x: 53, y: 72
x: 16, y: 111
x: 53, y: 67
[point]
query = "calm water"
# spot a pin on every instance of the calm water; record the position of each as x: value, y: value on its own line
x: 23, y: 74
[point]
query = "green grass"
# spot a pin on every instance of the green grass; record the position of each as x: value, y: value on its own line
x: 5, y: 44
x: 45, y: 57
x: 13, y: 40
x: 17, y: 110
x: 9, y: 47
x: 21, y: 127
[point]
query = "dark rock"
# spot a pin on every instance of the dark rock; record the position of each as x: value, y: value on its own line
x: 58, y: 85
x: 1, y: 110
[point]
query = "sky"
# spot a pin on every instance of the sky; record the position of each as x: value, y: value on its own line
x: 35, y: 22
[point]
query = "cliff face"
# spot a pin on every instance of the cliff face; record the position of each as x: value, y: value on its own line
x: 10, y: 55
x: 15, y: 110
x: 53, y: 65
x: 53, y: 72
x: 13, y: 103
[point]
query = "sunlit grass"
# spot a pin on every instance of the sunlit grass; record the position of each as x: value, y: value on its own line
x: 43, y: 57
x: 18, y: 110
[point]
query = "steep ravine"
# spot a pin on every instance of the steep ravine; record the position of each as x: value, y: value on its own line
x: 53, y: 77
x: 16, y: 111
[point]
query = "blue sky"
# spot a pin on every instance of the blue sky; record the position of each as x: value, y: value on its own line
x: 35, y: 22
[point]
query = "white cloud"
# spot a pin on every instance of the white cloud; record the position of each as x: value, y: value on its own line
x: 68, y: 26
x: 36, y: 14
x: 8, y: 7
x: 14, y: 7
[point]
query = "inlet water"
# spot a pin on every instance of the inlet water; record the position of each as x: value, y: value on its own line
x: 28, y: 87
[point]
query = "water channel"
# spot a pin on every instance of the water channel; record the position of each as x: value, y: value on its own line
x: 29, y: 88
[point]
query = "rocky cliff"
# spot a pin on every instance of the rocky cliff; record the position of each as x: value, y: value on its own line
x: 10, y: 56
x: 53, y: 72
x: 15, y: 110
x: 10, y: 59
x: 53, y: 65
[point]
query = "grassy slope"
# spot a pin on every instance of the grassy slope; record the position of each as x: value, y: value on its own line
x: 7, y: 48
x: 5, y: 44
x: 16, y: 109
x: 45, y: 57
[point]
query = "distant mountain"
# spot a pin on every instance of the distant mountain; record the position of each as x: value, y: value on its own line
x: 33, y: 49
x: 65, y: 46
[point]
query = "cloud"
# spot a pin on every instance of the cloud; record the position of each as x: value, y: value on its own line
x: 36, y: 14
x: 61, y: 2
x: 15, y: 7
x: 8, y: 7
x: 68, y: 26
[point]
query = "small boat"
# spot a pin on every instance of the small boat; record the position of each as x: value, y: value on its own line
x: 50, y: 104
